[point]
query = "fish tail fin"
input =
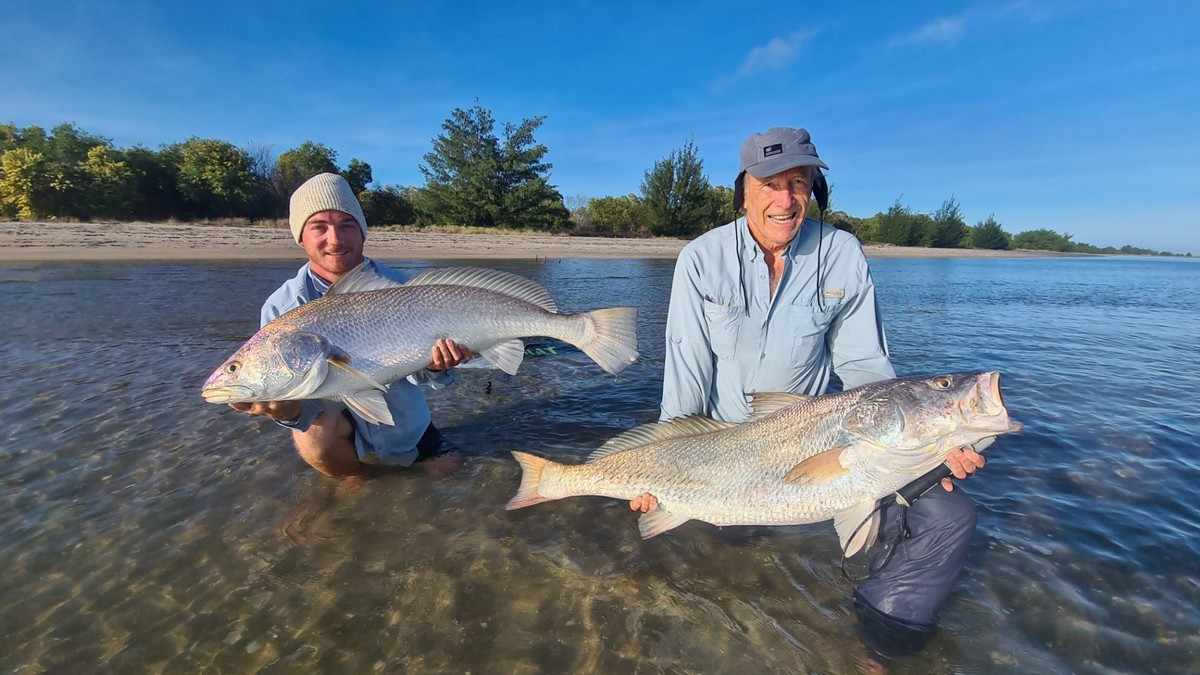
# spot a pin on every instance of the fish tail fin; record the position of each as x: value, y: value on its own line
x: 612, y: 340
x: 531, y: 478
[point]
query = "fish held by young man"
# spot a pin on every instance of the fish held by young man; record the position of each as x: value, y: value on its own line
x: 368, y: 331
x: 798, y: 459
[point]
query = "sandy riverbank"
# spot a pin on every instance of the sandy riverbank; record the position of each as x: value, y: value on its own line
x: 42, y: 241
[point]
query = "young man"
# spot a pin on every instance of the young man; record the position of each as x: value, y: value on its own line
x: 775, y: 303
x: 328, y: 222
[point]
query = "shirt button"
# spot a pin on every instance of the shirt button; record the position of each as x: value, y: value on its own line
x: 762, y: 276
x: 762, y: 356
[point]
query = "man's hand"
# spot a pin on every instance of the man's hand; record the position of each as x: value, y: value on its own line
x: 278, y: 411
x: 643, y: 502
x: 962, y: 462
x: 446, y: 354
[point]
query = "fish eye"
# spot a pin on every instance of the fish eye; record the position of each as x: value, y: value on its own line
x: 232, y: 368
x: 942, y: 382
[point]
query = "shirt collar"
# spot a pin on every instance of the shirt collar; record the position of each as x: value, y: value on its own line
x: 750, y: 250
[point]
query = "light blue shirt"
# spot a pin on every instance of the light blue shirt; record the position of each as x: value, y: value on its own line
x: 728, y: 337
x: 376, y: 443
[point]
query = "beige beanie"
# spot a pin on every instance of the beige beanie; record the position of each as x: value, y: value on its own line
x: 323, y: 192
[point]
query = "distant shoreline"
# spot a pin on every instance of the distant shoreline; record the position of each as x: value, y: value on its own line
x: 55, y: 241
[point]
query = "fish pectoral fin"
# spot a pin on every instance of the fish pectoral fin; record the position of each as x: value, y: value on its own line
x: 506, y: 356
x: 342, y: 362
x: 857, y: 527
x: 659, y: 520
x: 820, y: 468
x: 370, y: 405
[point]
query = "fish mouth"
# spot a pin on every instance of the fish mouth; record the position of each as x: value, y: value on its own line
x: 987, y: 401
x: 226, y: 394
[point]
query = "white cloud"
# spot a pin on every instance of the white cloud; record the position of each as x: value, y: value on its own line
x: 942, y: 30
x: 777, y: 54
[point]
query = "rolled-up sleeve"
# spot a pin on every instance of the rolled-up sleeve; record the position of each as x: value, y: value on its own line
x: 688, y: 371
x: 856, y: 339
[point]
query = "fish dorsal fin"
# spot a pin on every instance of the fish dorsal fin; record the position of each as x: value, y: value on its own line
x: 505, y: 283
x: 506, y: 356
x: 821, y: 467
x: 361, y: 278
x: 768, y: 402
x: 659, y: 520
x: 679, y: 427
x: 857, y: 527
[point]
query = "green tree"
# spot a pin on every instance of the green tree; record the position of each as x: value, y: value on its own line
x: 474, y: 179
x: 155, y: 178
x: 1043, y: 240
x: 297, y: 165
x: 844, y: 221
x: 215, y: 177
x: 989, y: 235
x: 899, y: 226
x: 358, y: 175
x: 721, y: 197
x: 109, y: 183
x: 618, y: 215
x: 676, y: 194
x: 23, y: 181
x: 949, y: 230
x: 388, y: 205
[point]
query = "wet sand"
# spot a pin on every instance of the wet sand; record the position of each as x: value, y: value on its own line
x: 54, y: 241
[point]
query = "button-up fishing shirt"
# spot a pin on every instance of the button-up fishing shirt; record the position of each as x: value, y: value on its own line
x: 375, y: 443
x: 727, y: 336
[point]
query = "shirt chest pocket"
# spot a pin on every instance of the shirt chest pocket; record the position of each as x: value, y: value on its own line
x: 724, y: 322
x: 808, y: 326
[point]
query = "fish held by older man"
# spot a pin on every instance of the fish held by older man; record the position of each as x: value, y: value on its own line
x: 368, y: 331
x: 798, y: 459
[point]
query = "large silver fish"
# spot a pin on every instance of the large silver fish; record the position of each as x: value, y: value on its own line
x: 798, y: 459
x: 368, y: 331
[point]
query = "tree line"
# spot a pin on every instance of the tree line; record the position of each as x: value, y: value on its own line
x: 474, y: 176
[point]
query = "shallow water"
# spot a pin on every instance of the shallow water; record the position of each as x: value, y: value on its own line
x: 146, y: 530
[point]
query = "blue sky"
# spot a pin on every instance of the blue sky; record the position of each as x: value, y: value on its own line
x: 1075, y: 115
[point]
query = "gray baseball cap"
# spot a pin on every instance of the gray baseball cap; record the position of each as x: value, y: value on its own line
x: 774, y: 150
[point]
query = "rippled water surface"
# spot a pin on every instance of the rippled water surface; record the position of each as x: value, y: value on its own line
x: 145, y: 530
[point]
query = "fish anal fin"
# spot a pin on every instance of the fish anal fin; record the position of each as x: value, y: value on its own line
x: 820, y: 468
x: 369, y: 405
x: 659, y: 520
x: 857, y: 527
x: 506, y: 356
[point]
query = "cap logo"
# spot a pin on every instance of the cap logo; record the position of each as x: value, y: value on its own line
x: 775, y: 149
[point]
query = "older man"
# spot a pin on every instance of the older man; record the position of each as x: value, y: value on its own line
x: 327, y: 221
x: 774, y: 302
